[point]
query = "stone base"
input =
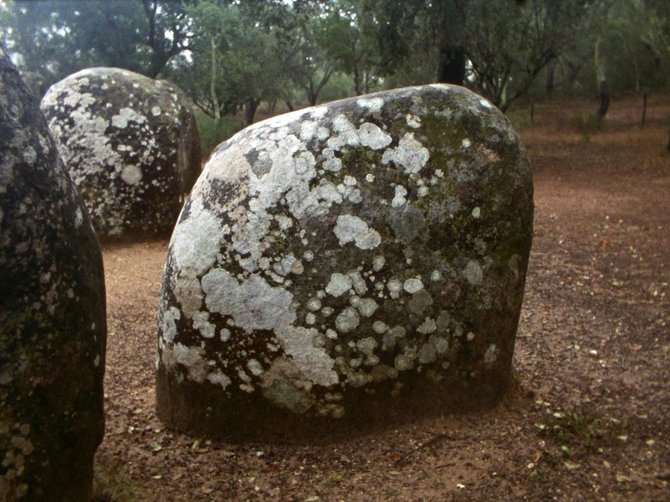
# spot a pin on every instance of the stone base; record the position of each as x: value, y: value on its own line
x: 196, y: 408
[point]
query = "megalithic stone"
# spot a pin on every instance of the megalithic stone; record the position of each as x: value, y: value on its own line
x: 52, y: 313
x: 131, y: 146
x: 347, y: 262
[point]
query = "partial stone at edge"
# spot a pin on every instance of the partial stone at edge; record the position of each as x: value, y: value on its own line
x: 52, y: 312
x: 130, y: 144
x: 346, y: 263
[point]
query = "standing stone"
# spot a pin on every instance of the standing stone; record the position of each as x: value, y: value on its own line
x: 131, y: 146
x: 347, y: 262
x: 52, y: 312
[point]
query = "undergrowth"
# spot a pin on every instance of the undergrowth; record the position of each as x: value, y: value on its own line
x: 111, y: 485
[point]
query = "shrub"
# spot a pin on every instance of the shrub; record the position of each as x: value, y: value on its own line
x: 213, y: 132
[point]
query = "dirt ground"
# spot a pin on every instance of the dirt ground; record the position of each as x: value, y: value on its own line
x: 588, y: 417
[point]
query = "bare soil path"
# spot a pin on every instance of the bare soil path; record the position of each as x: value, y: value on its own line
x: 588, y: 417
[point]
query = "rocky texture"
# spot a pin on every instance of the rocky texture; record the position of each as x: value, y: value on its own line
x: 130, y: 144
x: 52, y: 312
x: 344, y: 261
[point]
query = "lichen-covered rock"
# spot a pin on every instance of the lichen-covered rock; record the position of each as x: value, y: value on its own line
x: 130, y: 144
x: 343, y: 261
x: 52, y: 312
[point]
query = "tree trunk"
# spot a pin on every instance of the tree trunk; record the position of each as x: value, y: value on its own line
x: 212, y: 83
x: 250, y: 108
x: 644, y: 111
x: 603, y: 101
x: 451, y: 69
x: 603, y: 94
x: 550, y: 82
x: 358, y: 88
x: 532, y: 111
x: 289, y: 105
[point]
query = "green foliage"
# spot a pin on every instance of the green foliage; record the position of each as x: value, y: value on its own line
x: 339, y: 86
x: 213, y: 131
x: 56, y: 38
x: 232, y: 55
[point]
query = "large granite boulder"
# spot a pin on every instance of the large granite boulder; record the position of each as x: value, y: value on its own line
x: 52, y: 312
x: 344, y: 261
x: 131, y: 146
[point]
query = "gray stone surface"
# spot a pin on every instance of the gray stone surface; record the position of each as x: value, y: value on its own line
x: 52, y: 312
x: 346, y: 261
x: 130, y: 144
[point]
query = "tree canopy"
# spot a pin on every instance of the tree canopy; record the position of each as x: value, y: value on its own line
x: 231, y: 55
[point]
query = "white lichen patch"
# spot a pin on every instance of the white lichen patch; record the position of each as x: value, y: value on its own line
x: 427, y: 326
x: 378, y: 263
x: 191, y: 358
x: 314, y: 304
x: 131, y: 174
x: 347, y: 320
x: 380, y: 327
x: 169, y: 326
x: 473, y: 273
x: 349, y: 228
x: 399, y: 199
x: 312, y: 361
x: 395, y: 288
x: 372, y: 136
x: 375, y: 104
x: 365, y: 306
x: 217, y: 377
x: 126, y: 115
x: 491, y: 354
x: 202, y: 324
x: 411, y: 155
x: 413, y: 285
x: 338, y: 284
x: 195, y: 241
x: 253, y: 303
x: 413, y: 121
x: 357, y: 281
x: 254, y: 367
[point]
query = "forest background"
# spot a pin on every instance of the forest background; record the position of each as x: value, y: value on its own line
x: 232, y: 57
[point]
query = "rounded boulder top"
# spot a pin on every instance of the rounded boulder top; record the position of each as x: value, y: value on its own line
x: 342, y: 262
x: 130, y: 144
